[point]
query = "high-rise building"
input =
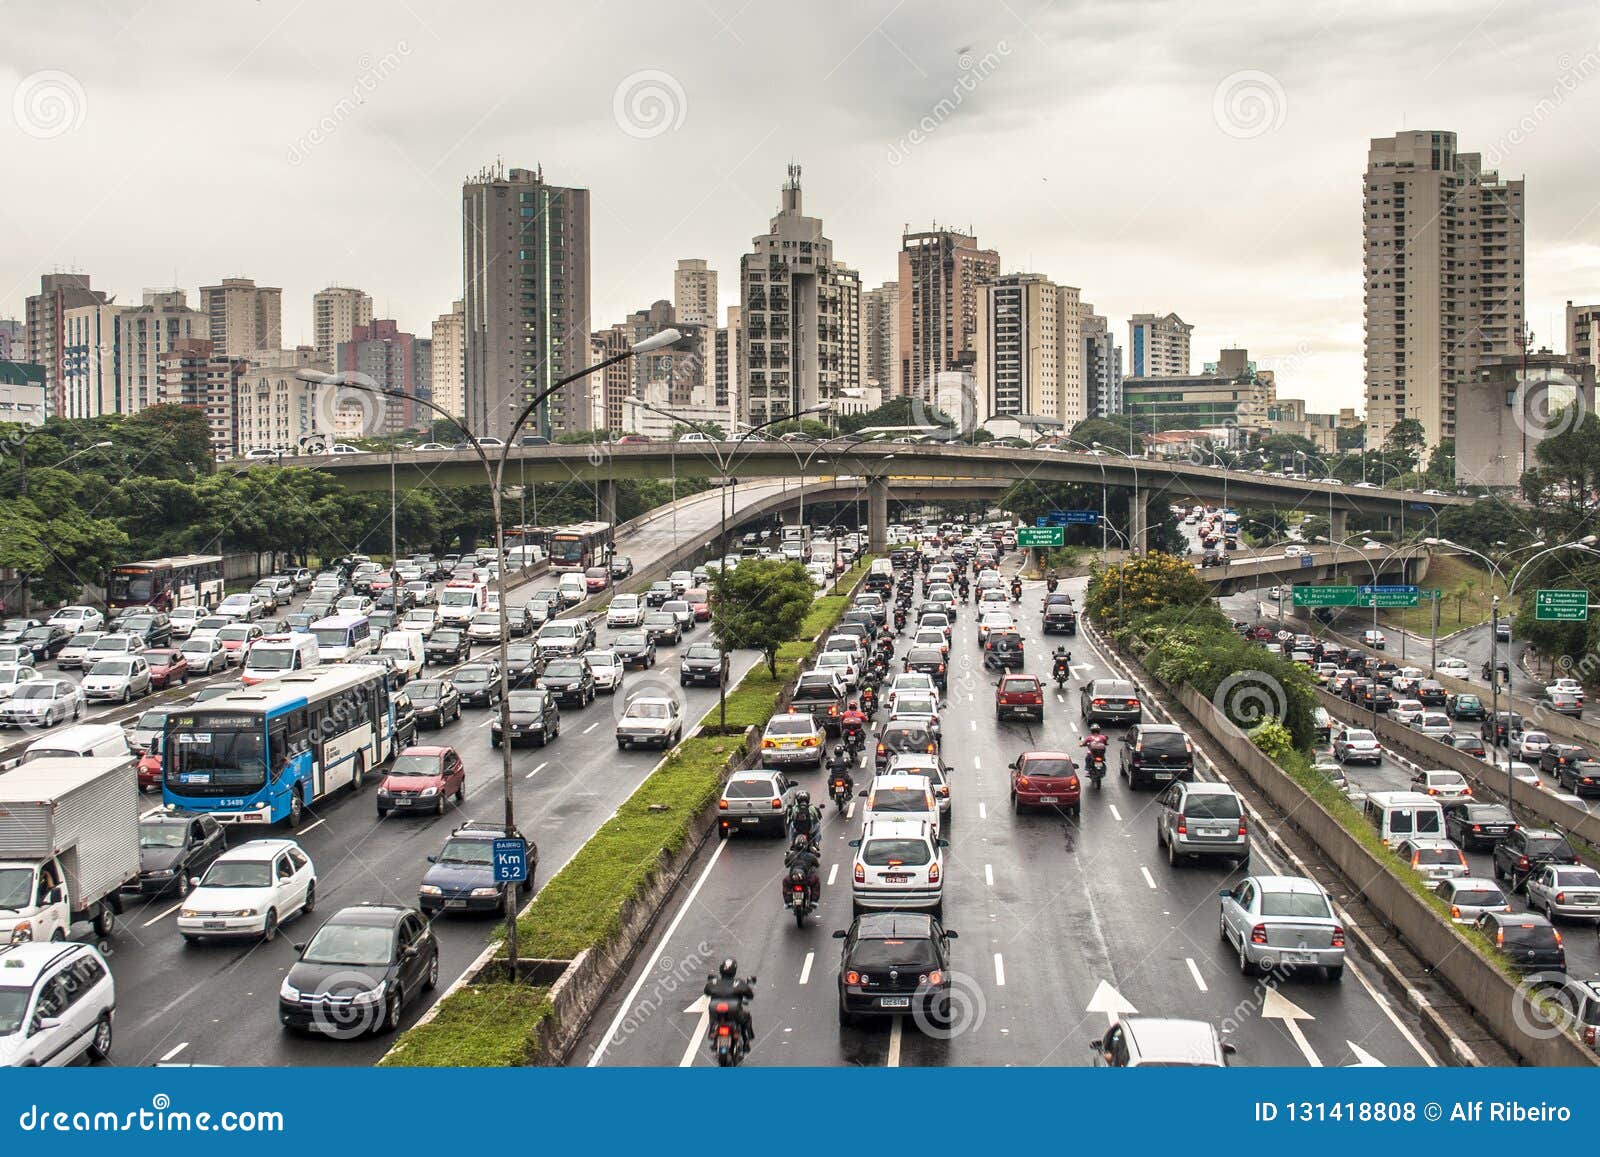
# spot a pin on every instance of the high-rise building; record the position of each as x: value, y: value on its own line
x: 1443, y: 277
x: 1158, y: 346
x: 793, y: 296
x: 725, y: 379
x: 13, y: 340
x: 679, y: 371
x: 694, y: 292
x: 193, y: 374
x: 942, y: 275
x: 244, y: 317
x: 46, y: 314
x: 399, y: 364
x: 335, y: 313
x: 91, y: 352
x: 1511, y: 403
x: 880, y: 336
x: 449, y: 361
x: 1028, y: 348
x: 148, y: 332
x: 526, y: 276
x: 1102, y: 366
x: 1583, y: 334
x: 276, y: 410
x: 613, y: 386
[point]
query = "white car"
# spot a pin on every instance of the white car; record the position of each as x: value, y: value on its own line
x: 1294, y: 550
x: 42, y: 703
x: 76, y: 650
x: 1453, y: 667
x: 118, y: 680
x: 1373, y: 638
x: 248, y: 607
x: 625, y: 611
x: 841, y: 665
x: 900, y: 797
x: 910, y: 682
x: 422, y: 592
x: 113, y: 647
x: 1357, y: 745
x: 650, y: 720
x: 899, y: 866
x: 422, y: 620
x: 77, y: 618
x: 606, y: 668
x: 1433, y: 724
x: 57, y: 1003
x: 485, y: 627
x: 916, y: 707
x: 1570, y: 686
x: 995, y: 621
x: 183, y: 620
x: 249, y: 891
x: 1531, y: 744
x: 205, y: 654
x: 1443, y: 784
x: 356, y: 605
x: 14, y: 675
x: 1406, y: 711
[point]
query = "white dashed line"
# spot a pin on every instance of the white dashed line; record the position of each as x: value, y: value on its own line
x: 163, y: 915
x: 999, y: 971
x: 983, y: 811
x: 590, y: 728
x: 312, y: 827
x: 850, y: 812
x: 1194, y: 971
x: 1115, y: 814
x: 537, y: 770
x: 1148, y: 878
x: 833, y: 873
x: 895, y: 1031
x: 805, y: 969
x: 974, y: 723
x: 176, y: 1051
x: 988, y: 874
x: 977, y: 763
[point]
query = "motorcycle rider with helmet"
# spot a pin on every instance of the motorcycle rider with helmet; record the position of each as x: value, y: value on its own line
x: 1095, y: 742
x: 805, y: 819
x: 1061, y: 664
x: 726, y: 984
x: 803, y: 854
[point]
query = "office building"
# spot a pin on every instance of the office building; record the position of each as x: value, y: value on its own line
x: 725, y: 377
x: 449, y: 371
x: 13, y: 340
x: 22, y: 394
x: 92, y: 346
x: 681, y: 368
x: 275, y: 409
x: 525, y: 272
x: 243, y: 316
x: 942, y: 275
x: 792, y: 297
x: 880, y: 336
x: 335, y: 313
x: 399, y: 364
x: 1503, y: 413
x: 694, y: 292
x: 1232, y: 393
x: 1158, y: 346
x: 146, y: 333
x: 192, y: 373
x: 1029, y: 354
x: 1102, y: 366
x: 1443, y: 277
x: 611, y: 388
x: 1583, y: 334
x: 45, y: 315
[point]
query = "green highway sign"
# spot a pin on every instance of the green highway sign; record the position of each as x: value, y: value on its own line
x: 1391, y: 599
x: 1042, y: 536
x: 1561, y: 606
x: 1325, y: 596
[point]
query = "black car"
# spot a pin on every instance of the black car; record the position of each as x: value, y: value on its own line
x: 1431, y: 693
x: 405, y: 717
x: 658, y: 593
x: 621, y: 566
x: 635, y: 649
x: 820, y: 696
x: 356, y: 975
x: 569, y: 681
x: 448, y: 645
x: 894, y: 963
x: 1464, y: 705
x: 1213, y: 557
x: 479, y: 684
x: 436, y: 701
x: 1505, y: 725
x: 174, y: 846
x: 461, y: 877
x: 928, y: 661
x: 1474, y: 826
x: 395, y: 599
x: 1003, y: 651
x: 1559, y: 755
x: 662, y: 627
x: 1156, y: 753
x: 534, y: 717
x: 1356, y: 691
x: 1530, y: 943
x: 1110, y: 701
x: 1469, y: 743
x: 1524, y: 849
x: 154, y: 628
x: 1579, y: 774
x: 904, y: 735
x: 1059, y: 617
x: 1375, y: 696
x: 703, y: 664
x: 523, y: 664
x: 12, y: 630
x: 44, y: 641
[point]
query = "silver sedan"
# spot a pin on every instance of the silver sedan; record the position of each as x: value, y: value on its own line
x: 1282, y: 921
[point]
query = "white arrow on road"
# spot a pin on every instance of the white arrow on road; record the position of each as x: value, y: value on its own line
x: 1111, y: 1002
x: 1364, y: 1059
x: 1077, y: 669
x: 1279, y: 1007
x: 702, y: 1009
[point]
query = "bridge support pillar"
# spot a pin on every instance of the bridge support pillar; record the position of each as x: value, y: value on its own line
x: 878, y: 515
x: 1138, y: 521
x: 1338, y: 524
x: 606, y: 496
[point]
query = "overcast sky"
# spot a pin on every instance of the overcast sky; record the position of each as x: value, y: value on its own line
x: 1204, y: 158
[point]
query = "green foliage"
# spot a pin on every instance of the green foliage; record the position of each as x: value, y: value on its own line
x: 1273, y: 738
x: 760, y: 605
x: 1141, y: 586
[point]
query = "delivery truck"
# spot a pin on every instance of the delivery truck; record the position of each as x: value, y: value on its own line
x: 69, y: 843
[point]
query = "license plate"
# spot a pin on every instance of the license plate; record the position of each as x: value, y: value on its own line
x: 750, y: 820
x: 214, y: 924
x: 896, y: 878
x: 894, y: 1002
x: 402, y: 803
x: 1213, y: 831
x: 1047, y: 799
x: 1299, y: 957
x: 455, y: 903
x: 1161, y: 775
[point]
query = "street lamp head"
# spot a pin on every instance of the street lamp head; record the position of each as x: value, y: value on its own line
x: 657, y: 341
x: 1589, y: 540
x: 108, y: 445
x: 315, y: 377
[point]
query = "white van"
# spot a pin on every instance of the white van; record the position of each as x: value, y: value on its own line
x: 406, y: 649
x: 520, y: 557
x: 341, y: 637
x: 279, y: 655
x: 459, y: 601
x: 85, y: 741
x: 1404, y: 815
x: 572, y: 588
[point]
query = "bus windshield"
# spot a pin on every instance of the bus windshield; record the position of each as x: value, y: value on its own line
x: 131, y: 588
x: 217, y: 760
x: 567, y: 549
x: 331, y: 636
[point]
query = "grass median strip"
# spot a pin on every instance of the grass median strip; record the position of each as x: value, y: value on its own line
x: 479, y: 1025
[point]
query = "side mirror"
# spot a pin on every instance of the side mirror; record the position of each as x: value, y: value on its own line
x: 1225, y: 893
x: 194, y: 881
x: 1097, y: 1045
x: 943, y: 843
x: 1228, y: 1049
x: 839, y: 933
x: 855, y: 843
x: 433, y: 859
x: 43, y: 1023
x: 298, y: 947
x: 951, y: 934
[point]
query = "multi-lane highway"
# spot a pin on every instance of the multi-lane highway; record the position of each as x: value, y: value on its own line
x: 1063, y: 922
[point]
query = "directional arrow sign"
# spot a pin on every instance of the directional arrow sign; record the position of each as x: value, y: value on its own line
x: 702, y: 1009
x: 1279, y: 1007
x: 1111, y: 1002
x: 1364, y: 1059
x: 1561, y: 606
x: 1041, y: 536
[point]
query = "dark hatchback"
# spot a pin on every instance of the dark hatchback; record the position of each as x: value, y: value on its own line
x: 523, y: 664
x: 461, y: 877
x: 1525, y: 849
x: 927, y: 661
x: 1431, y: 693
x: 447, y: 645
x: 436, y: 701
x: 1464, y: 705
x: 44, y: 642
x: 904, y: 735
x: 569, y: 682
x: 1471, y: 744
x: 1059, y: 617
x: 635, y: 649
x: 1003, y: 650
x: 1156, y: 753
x: 1376, y: 696
x: 479, y: 684
x: 703, y: 665
x: 1474, y: 826
x: 1530, y: 943
x: 535, y: 718
x: 895, y: 963
x: 173, y: 847
x: 358, y: 973
x: 1505, y: 725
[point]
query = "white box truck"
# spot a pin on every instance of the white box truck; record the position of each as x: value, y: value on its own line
x: 69, y: 842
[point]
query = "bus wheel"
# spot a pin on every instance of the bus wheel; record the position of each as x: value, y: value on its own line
x: 297, y: 808
x: 360, y: 778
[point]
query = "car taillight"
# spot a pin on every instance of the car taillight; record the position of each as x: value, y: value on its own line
x: 1561, y: 897
x: 1072, y: 781
x: 1559, y: 941
x: 1477, y: 827
x: 1500, y: 938
x: 768, y: 743
x: 1183, y: 828
x: 722, y: 805
x: 931, y: 748
x: 1338, y: 936
x: 941, y: 668
x: 1243, y: 831
x: 1097, y: 702
x: 1522, y: 861
x: 880, y: 749
x: 861, y: 874
x: 833, y: 709
x: 809, y: 741
x: 933, y: 873
x: 852, y: 978
x: 1258, y: 934
x: 776, y: 804
x: 1455, y: 912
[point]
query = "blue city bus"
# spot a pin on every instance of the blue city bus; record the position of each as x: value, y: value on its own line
x: 261, y: 754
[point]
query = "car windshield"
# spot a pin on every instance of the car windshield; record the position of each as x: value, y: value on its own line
x: 415, y: 765
x: 633, y: 640
x: 477, y: 852
x: 110, y: 643
x: 602, y: 659
x: 162, y: 833
x: 238, y: 874
x: 875, y: 955
x: 903, y: 738
x: 241, y: 634
x: 1578, y: 878
x: 649, y: 710
x: 702, y: 651
x: 35, y: 691
x: 527, y: 701
x: 892, y: 853
x: 1437, y: 856
x: 900, y: 799
x: 111, y: 667
x: 1304, y: 904
x: 271, y: 658
x: 564, y: 670
x: 797, y: 726
x: 750, y: 789
x: 474, y: 675
x: 350, y: 944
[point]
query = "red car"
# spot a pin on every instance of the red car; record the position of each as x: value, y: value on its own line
x: 596, y: 579
x: 699, y: 601
x: 1019, y: 695
x: 1045, y: 779
x: 167, y: 666
x: 420, y: 780
x: 149, y: 771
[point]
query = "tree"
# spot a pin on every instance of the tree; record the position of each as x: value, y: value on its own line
x: 712, y: 430
x: 1283, y: 447
x: 1441, y: 471
x: 896, y: 411
x: 1140, y: 586
x: 1350, y: 437
x: 1565, y: 485
x: 1461, y: 592
x: 446, y: 431
x: 810, y: 427
x: 1119, y: 432
x: 760, y: 604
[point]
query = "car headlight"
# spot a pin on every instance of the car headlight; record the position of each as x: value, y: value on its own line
x: 429, y: 792
x: 164, y: 872
x: 430, y: 890
x: 485, y: 892
x: 22, y: 932
x: 243, y: 912
x: 287, y: 991
x: 372, y: 995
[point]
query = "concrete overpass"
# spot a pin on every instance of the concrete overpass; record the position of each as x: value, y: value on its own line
x: 1328, y: 566
x: 874, y: 466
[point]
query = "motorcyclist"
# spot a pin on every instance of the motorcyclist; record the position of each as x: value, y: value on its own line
x: 839, y: 772
x: 803, y: 854
x: 966, y: 586
x: 869, y: 701
x: 1095, y: 741
x: 853, y: 719
x: 726, y: 984
x: 1061, y: 664
x: 1051, y: 582
x: 805, y: 819
x: 1016, y: 589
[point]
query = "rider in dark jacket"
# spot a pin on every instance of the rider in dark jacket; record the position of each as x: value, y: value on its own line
x: 727, y: 984
x: 804, y: 855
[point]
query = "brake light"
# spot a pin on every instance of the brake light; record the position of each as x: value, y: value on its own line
x: 1522, y: 861
x: 880, y: 749
x: 1559, y: 941
x: 769, y: 743
x: 777, y: 803
x: 809, y: 741
x: 861, y: 874
x: 1561, y: 897
x: 724, y: 1030
x: 1258, y: 934
x: 1183, y: 828
x: 1243, y: 831
x: 852, y: 978
x: 1500, y: 938
x: 722, y: 805
x: 1455, y: 912
x: 1477, y: 827
x: 833, y: 709
x: 933, y: 873
x: 1072, y: 781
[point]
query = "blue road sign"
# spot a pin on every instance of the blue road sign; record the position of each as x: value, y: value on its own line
x: 1370, y: 589
x: 1421, y: 506
x: 1041, y: 520
x: 510, y: 861
x: 1084, y: 517
x: 1305, y: 561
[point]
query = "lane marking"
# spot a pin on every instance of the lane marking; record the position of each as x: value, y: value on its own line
x: 850, y: 812
x: 983, y: 811
x: 895, y: 1031
x: 655, y: 957
x: 999, y: 971
x: 537, y: 770
x: 974, y: 723
x: 313, y: 827
x: 833, y: 873
x: 1148, y: 878
x: 176, y: 1051
x: 977, y: 763
x: 1194, y: 971
x: 805, y: 969
x: 1115, y: 814
x: 1073, y: 723
x: 590, y: 728
x: 163, y: 915
x: 988, y: 874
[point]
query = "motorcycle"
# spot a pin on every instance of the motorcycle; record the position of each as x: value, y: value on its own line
x: 854, y: 739
x: 1016, y: 592
x: 1050, y: 585
x: 725, y: 1035
x: 1097, y: 767
x: 899, y: 620
x: 797, y: 896
x: 1062, y: 672
x: 839, y: 790
x: 869, y: 701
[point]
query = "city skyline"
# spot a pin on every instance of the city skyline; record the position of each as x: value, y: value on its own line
x: 1245, y: 221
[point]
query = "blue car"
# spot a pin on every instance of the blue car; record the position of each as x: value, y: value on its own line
x: 461, y: 877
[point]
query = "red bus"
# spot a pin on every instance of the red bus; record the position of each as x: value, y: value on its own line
x: 580, y: 546
x: 189, y: 580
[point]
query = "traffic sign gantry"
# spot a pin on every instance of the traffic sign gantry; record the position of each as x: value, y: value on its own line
x: 1561, y: 606
x: 1042, y: 536
x: 1325, y: 596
